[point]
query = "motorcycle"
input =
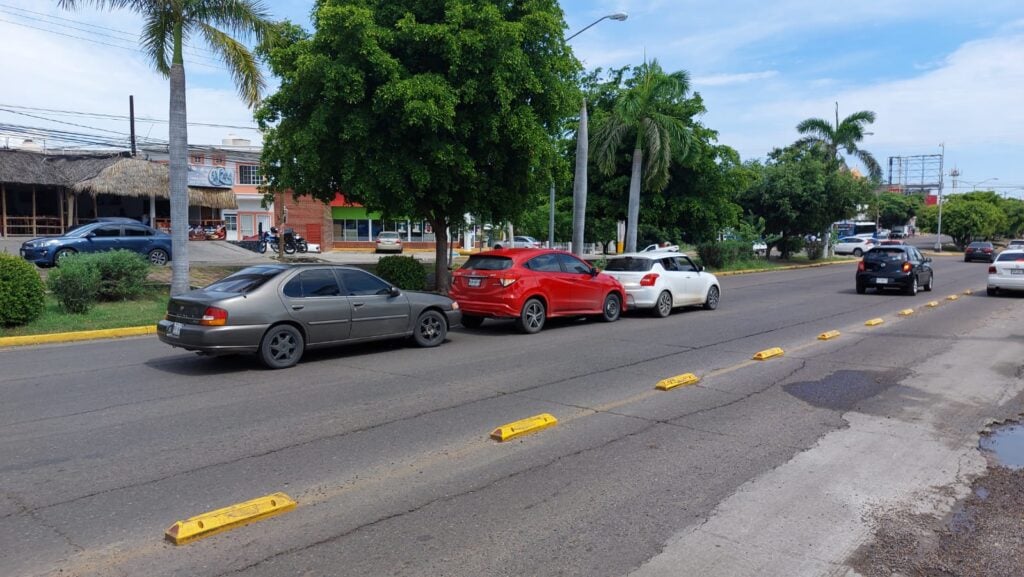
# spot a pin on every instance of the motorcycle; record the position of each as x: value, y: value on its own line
x: 300, y: 243
x: 270, y: 240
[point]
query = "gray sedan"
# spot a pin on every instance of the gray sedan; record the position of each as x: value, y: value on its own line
x: 279, y: 310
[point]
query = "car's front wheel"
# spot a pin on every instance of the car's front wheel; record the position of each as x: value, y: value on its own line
x: 431, y: 329
x: 158, y: 257
x: 282, y: 347
x: 62, y: 254
x: 531, y: 319
x: 612, y: 308
x: 663, y: 307
x: 711, y: 301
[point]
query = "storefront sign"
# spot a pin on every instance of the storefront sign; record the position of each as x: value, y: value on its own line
x: 210, y: 176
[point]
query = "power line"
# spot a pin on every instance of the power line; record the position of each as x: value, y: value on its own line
x: 103, y: 116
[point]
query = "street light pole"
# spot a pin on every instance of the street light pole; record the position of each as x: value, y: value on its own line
x: 938, y: 232
x: 579, y: 188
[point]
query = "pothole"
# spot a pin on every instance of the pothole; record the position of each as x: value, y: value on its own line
x: 1005, y: 444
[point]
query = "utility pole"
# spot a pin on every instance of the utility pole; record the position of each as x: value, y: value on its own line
x: 942, y: 177
x: 131, y: 120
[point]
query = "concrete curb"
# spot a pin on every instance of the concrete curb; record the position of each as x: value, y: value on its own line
x: 76, y: 336
x: 790, y: 267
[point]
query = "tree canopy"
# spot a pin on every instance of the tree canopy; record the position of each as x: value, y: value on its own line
x: 421, y: 109
x: 843, y: 136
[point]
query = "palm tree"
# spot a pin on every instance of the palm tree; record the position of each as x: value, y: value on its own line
x: 843, y: 136
x: 167, y: 27
x: 649, y: 112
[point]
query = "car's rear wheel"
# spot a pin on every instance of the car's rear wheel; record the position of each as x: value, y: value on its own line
x: 531, y: 319
x: 63, y: 254
x: 857, y: 252
x: 282, y: 347
x: 992, y: 291
x: 711, y: 302
x: 612, y: 308
x: 861, y: 288
x: 912, y: 287
x: 158, y: 257
x: 431, y: 329
x: 663, y: 307
x: 472, y: 321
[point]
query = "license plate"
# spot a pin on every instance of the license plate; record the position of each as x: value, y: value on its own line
x: 174, y: 330
x: 881, y: 281
x: 474, y: 282
x: 1017, y: 271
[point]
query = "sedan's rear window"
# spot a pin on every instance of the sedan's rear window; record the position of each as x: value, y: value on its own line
x: 629, y: 264
x: 484, y: 262
x: 885, y: 253
x: 1010, y: 256
x: 245, y: 280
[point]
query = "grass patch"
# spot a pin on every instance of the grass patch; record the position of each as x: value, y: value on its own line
x: 105, y: 315
x: 761, y: 264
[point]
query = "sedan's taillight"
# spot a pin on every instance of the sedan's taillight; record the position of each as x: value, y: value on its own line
x: 907, y: 267
x: 214, y: 316
x: 860, y: 266
x: 986, y: 250
x: 649, y: 279
x: 991, y: 270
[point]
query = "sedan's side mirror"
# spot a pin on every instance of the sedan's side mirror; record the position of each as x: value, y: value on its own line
x: 394, y: 292
x: 90, y: 235
x: 927, y: 259
x: 700, y: 268
x: 594, y: 271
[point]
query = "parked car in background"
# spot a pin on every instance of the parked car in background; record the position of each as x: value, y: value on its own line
x: 389, y: 241
x: 899, y: 232
x: 662, y: 281
x: 1007, y: 272
x: 663, y: 247
x: 99, y: 236
x: 978, y: 250
x: 898, y: 267
x: 855, y: 245
x: 891, y: 242
x: 532, y: 285
x: 519, y: 242
x: 1016, y: 243
x: 278, y: 311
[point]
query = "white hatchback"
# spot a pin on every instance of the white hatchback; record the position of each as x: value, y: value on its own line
x: 1007, y: 272
x: 661, y: 281
x: 855, y: 245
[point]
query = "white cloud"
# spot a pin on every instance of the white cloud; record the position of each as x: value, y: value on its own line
x: 727, y: 79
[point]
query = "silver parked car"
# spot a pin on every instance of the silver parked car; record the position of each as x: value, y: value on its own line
x: 278, y: 311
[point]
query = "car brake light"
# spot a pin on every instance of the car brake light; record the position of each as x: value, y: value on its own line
x: 907, y: 266
x: 506, y: 281
x: 991, y: 270
x: 214, y: 316
x: 986, y: 250
x: 860, y: 266
x: 649, y: 279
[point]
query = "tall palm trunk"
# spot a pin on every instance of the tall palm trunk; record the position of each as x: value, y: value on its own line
x: 178, y: 151
x: 633, y: 208
x: 579, y: 188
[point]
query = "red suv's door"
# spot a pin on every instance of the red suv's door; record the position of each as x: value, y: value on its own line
x: 586, y: 291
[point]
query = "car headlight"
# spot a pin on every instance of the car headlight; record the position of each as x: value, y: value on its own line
x: 455, y: 305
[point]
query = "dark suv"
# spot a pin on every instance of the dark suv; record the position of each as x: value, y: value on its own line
x: 980, y: 251
x: 899, y: 267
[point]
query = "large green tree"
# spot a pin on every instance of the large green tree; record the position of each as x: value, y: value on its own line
x: 843, y: 136
x: 422, y: 109
x: 965, y: 219
x: 893, y: 209
x: 797, y: 192
x: 168, y: 26
x: 647, y: 116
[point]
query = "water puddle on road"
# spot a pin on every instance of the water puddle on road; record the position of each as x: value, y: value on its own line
x: 1006, y: 444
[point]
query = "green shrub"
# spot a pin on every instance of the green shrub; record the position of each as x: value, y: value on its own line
x: 718, y: 255
x: 21, y: 291
x: 75, y: 283
x: 815, y: 249
x: 122, y: 274
x: 405, y: 272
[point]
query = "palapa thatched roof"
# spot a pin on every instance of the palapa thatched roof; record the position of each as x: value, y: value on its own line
x: 134, y: 177
x: 25, y: 167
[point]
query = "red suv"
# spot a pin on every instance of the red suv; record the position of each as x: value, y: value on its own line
x: 530, y: 285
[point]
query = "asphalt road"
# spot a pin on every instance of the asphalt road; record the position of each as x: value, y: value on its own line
x: 103, y: 445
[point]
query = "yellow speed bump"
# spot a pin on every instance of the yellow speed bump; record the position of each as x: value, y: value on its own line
x: 952, y: 297
x: 228, y: 518
x: 524, y: 427
x: 827, y: 335
x: 932, y: 304
x: 677, y: 381
x: 968, y: 292
x: 874, y: 322
x: 906, y: 312
x: 769, y: 353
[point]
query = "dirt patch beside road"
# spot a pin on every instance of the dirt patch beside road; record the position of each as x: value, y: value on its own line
x: 983, y: 536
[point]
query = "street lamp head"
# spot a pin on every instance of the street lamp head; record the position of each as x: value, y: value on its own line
x: 620, y: 16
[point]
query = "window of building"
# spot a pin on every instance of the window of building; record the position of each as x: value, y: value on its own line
x: 218, y: 159
x: 249, y: 174
x: 197, y: 158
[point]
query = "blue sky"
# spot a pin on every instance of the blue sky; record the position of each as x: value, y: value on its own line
x: 937, y: 71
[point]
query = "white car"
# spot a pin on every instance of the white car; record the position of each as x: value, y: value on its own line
x: 855, y: 245
x: 518, y: 242
x: 661, y: 281
x: 1007, y: 272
